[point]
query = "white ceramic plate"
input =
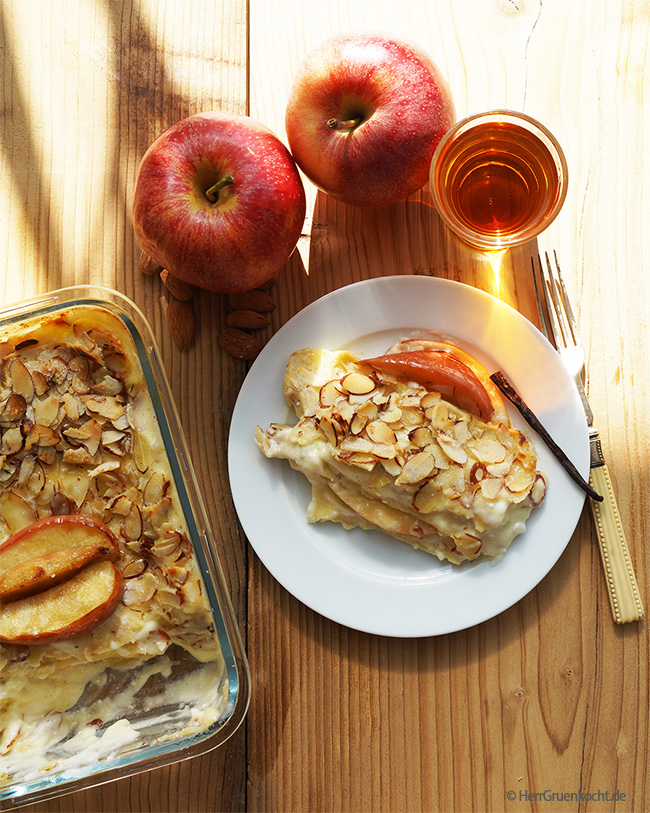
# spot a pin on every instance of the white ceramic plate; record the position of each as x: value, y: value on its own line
x: 365, y: 579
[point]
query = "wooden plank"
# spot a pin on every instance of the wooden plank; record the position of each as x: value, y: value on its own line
x: 86, y: 87
x: 550, y: 694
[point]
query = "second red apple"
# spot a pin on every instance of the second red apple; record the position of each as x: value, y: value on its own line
x: 365, y: 115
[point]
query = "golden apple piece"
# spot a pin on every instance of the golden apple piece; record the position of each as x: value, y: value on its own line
x: 46, y: 571
x: 74, y: 607
x: 54, y: 534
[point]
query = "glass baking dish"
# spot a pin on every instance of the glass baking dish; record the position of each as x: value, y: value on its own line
x: 157, y: 709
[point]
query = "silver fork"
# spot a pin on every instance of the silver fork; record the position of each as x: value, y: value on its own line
x: 560, y: 328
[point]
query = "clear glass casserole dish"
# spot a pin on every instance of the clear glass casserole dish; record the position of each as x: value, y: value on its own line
x: 89, y: 429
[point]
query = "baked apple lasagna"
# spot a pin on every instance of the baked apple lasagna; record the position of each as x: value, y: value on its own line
x: 416, y: 443
x: 103, y: 607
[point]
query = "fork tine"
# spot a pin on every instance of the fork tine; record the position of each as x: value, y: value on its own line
x: 555, y: 308
x: 541, y: 310
x: 567, y: 309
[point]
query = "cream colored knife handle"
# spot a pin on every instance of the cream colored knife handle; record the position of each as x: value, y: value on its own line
x: 621, y: 582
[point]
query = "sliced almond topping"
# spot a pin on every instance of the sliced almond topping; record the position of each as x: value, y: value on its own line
x: 357, y: 383
x: 74, y: 483
x: 116, y: 363
x: 12, y: 441
x: 141, y: 589
x: 107, y: 386
x: 429, y: 400
x: 41, y: 384
x: 140, y: 452
x: 380, y: 432
x: 385, y: 451
x: 177, y: 574
x: 441, y: 459
x: 26, y: 469
x: 168, y: 544
x: 538, y: 491
x: 46, y: 495
x: 491, y: 487
x: 478, y: 472
x: 438, y: 415
x: 363, y: 460
x: 358, y: 423
x: 391, y: 466
x: 421, y: 436
x: 134, y: 568
x: 46, y: 410
x: 328, y: 394
x: 461, y: 431
x: 46, y: 454
x: 73, y: 408
x: 80, y: 366
x: 519, y: 479
x: 45, y: 435
x: 16, y: 512
x: 499, y: 469
x: 121, y: 506
x: 132, y: 524
x: 488, y: 449
x: 21, y: 380
x: 155, y: 488
x: 418, y: 467
x: 14, y: 409
x: 327, y: 427
x: 61, y: 505
x: 369, y: 410
x: 105, y: 405
x: 110, y: 436
x: 36, y: 481
x: 453, y: 449
x: 412, y: 417
x: 427, y: 498
x: 356, y: 444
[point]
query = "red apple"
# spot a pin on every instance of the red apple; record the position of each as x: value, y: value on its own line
x: 365, y: 115
x: 219, y: 202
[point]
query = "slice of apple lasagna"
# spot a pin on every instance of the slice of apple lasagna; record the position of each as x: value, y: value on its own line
x: 416, y: 443
x: 102, y: 600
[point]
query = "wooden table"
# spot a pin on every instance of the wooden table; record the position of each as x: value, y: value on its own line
x: 549, y: 696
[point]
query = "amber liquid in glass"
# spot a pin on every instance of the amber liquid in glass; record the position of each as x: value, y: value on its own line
x: 498, y: 179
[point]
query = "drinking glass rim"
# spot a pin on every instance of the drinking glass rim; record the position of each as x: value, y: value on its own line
x: 532, y: 125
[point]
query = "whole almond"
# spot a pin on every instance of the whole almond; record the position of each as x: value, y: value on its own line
x: 248, y: 320
x: 238, y: 344
x: 177, y: 287
x: 182, y: 323
x: 148, y: 265
x: 254, y: 300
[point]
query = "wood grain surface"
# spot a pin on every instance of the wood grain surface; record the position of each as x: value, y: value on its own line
x: 548, y: 697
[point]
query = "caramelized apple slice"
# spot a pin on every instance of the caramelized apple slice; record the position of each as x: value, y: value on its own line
x: 57, y: 533
x: 72, y: 608
x: 440, y: 364
x: 46, y: 571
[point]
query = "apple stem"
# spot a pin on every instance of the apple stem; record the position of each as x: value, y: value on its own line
x: 349, y: 124
x: 212, y: 194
